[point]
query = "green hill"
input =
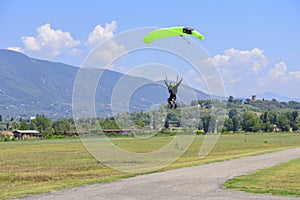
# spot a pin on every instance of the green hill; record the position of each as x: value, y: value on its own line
x: 30, y: 86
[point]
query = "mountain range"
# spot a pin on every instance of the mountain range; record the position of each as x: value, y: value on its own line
x: 30, y: 86
x: 278, y: 97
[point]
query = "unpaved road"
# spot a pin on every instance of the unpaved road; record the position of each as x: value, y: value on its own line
x: 199, y: 182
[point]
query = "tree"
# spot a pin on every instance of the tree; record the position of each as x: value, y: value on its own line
x: 213, y: 123
x: 268, y: 127
x: 166, y: 125
x: 200, y: 125
x: 238, y: 101
x: 251, y: 122
x: 61, y: 126
x: 297, y: 124
x: 236, y: 123
x: 206, y: 123
x: 14, y: 125
x: 42, y: 124
x: 265, y: 117
x: 141, y: 124
x: 292, y: 116
x: 228, y: 124
x: 108, y: 123
x: 232, y: 113
x: 266, y: 123
x: 24, y: 125
x: 230, y: 99
x: 247, y: 101
x: 283, y: 122
x: 272, y: 117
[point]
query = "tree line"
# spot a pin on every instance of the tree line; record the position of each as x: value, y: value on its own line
x: 241, y: 116
x: 253, y: 116
x: 42, y: 124
x: 267, y: 121
x: 67, y: 127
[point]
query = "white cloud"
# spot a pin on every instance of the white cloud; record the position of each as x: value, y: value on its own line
x: 48, y: 43
x: 279, y: 70
x: 75, y: 52
x: 17, y: 49
x: 281, y: 80
x: 253, y: 59
x: 277, y: 74
x: 239, y: 68
x: 249, y: 71
x: 101, y: 33
x: 295, y: 74
x: 105, y: 54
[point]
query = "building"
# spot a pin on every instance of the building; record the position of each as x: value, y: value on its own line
x: 122, y: 131
x: 22, y: 134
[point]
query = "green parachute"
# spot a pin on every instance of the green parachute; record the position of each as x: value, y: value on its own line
x: 172, y: 31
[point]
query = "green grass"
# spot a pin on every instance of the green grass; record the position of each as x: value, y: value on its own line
x: 31, y: 167
x: 283, y: 179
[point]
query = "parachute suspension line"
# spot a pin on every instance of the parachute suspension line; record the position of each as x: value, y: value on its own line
x: 189, y: 42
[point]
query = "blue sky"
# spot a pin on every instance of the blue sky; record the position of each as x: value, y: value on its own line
x: 254, y: 44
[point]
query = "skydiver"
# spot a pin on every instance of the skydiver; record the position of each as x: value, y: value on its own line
x: 173, y: 91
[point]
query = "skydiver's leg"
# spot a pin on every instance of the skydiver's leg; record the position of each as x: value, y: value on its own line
x: 174, y: 101
x: 169, y: 102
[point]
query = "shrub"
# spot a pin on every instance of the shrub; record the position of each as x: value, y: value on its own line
x: 199, y: 132
x: 6, y: 138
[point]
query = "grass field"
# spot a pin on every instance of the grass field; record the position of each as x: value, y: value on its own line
x: 30, y: 167
x: 283, y: 179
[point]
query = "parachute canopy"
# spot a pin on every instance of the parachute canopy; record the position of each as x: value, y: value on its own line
x: 172, y: 31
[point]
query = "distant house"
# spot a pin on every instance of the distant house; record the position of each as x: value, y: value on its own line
x: 22, y: 134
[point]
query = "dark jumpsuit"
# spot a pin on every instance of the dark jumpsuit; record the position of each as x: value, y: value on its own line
x: 172, y: 90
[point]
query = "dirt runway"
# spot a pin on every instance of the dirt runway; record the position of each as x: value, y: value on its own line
x: 198, y: 182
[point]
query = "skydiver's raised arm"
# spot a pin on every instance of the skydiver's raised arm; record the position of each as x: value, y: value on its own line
x: 179, y: 82
x: 166, y: 82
